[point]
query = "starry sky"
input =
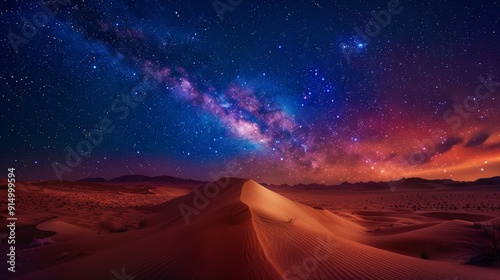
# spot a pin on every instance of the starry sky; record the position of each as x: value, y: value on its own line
x: 305, y: 91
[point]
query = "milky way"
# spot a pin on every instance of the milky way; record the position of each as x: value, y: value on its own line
x: 269, y: 87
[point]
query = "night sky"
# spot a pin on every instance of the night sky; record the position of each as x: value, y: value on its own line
x: 287, y: 92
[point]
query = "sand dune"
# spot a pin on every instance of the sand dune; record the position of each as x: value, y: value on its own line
x: 242, y: 231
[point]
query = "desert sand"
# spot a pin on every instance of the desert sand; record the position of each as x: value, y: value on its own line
x: 239, y: 229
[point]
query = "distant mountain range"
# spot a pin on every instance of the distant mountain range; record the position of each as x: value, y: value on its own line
x: 489, y: 181
x: 141, y: 178
x: 405, y: 181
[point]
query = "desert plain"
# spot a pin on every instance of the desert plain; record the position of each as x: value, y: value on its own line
x: 139, y: 227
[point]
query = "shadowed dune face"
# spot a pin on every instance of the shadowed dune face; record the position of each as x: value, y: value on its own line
x: 238, y: 229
